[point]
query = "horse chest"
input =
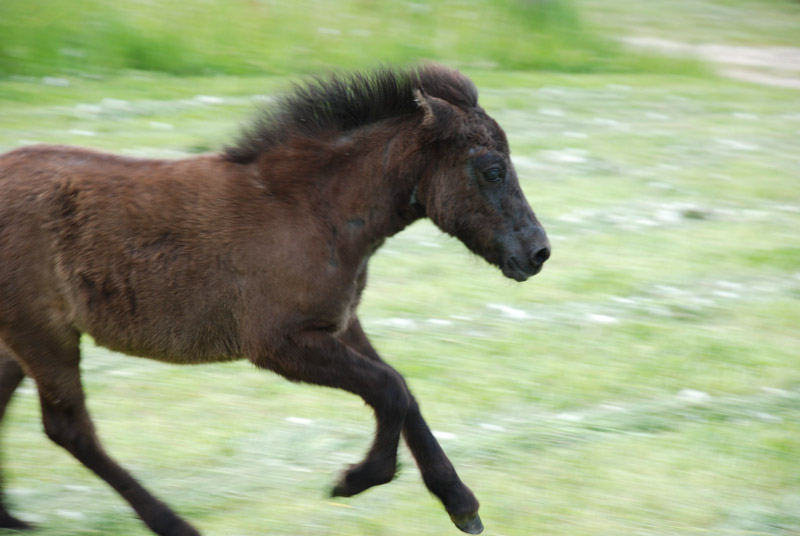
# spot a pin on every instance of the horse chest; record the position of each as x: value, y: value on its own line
x: 339, y: 296
x: 335, y: 295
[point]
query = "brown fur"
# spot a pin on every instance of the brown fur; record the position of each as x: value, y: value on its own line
x: 257, y: 253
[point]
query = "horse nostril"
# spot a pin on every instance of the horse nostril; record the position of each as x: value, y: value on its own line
x: 540, y: 256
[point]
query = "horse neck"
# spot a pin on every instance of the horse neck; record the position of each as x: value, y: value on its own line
x: 364, y: 180
x: 392, y: 165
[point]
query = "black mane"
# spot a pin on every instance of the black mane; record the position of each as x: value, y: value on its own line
x: 342, y: 102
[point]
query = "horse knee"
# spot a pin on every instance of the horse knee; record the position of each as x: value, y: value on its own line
x: 58, y: 432
x: 72, y: 433
x: 397, y: 399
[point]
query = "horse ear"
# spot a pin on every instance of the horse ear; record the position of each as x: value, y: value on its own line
x: 437, y: 112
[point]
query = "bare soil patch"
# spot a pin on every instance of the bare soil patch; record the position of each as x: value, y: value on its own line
x: 766, y: 65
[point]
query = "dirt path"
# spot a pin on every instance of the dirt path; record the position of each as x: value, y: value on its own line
x: 766, y: 65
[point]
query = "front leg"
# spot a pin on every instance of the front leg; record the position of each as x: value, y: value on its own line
x: 316, y: 357
x: 437, y: 471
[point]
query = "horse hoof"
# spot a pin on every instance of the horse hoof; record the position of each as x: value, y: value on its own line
x: 362, y: 476
x: 469, y: 523
x: 11, y: 522
x: 340, y: 490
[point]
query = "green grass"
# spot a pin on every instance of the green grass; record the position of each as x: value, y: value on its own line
x: 41, y: 37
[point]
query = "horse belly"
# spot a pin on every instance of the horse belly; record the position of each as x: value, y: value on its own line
x: 168, y: 319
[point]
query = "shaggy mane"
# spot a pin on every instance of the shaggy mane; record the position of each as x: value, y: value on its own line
x: 345, y: 101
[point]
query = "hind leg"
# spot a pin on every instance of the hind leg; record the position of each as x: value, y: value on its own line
x: 54, y: 365
x: 11, y: 376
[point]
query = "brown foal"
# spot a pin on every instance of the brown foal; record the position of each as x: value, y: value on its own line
x: 259, y: 252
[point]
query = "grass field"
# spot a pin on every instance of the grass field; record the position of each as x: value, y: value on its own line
x: 94, y: 37
x: 647, y: 382
x: 735, y: 22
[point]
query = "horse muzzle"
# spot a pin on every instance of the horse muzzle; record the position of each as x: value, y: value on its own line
x: 523, y: 262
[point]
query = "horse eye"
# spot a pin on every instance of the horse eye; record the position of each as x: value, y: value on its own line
x: 493, y: 174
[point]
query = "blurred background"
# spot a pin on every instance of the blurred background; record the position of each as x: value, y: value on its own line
x: 647, y: 382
